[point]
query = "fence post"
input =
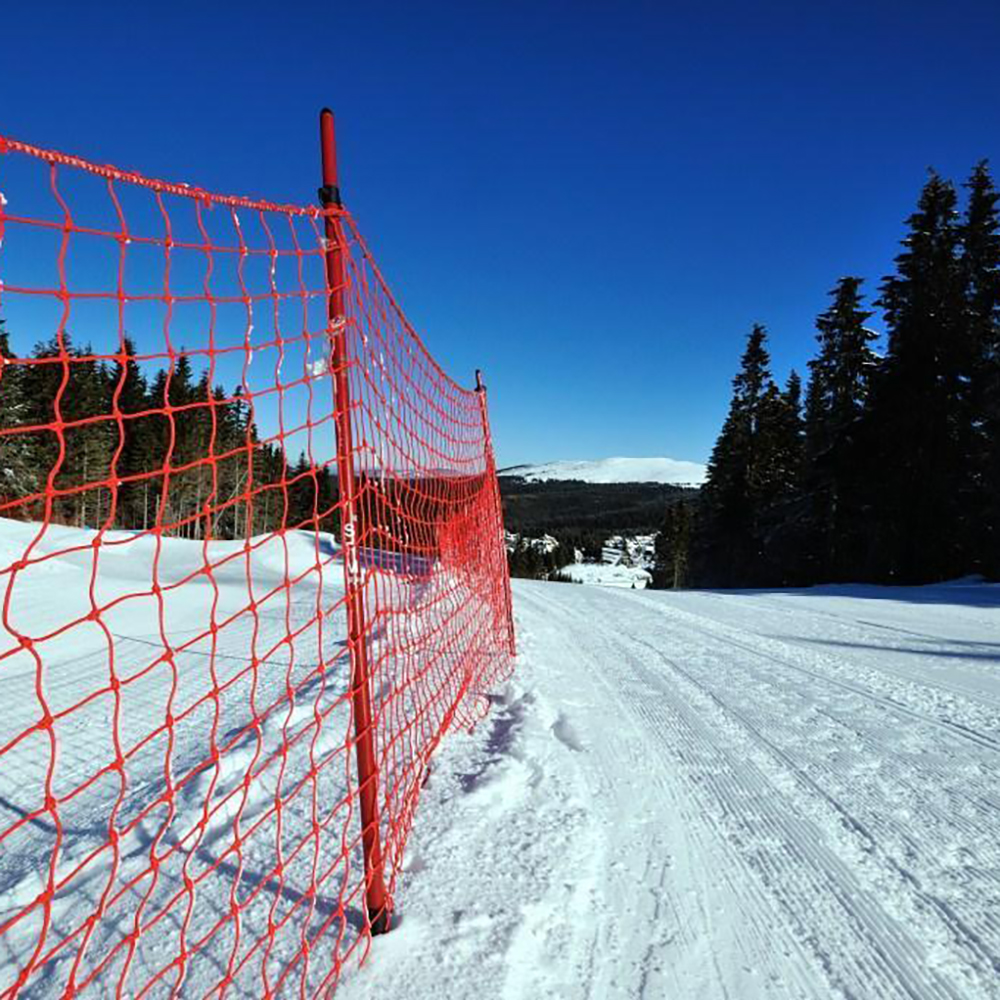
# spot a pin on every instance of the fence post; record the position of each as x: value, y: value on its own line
x: 491, y: 471
x: 376, y: 897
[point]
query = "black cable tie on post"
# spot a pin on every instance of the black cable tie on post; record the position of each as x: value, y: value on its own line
x: 329, y: 195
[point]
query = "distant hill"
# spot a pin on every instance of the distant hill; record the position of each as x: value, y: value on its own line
x: 667, y: 471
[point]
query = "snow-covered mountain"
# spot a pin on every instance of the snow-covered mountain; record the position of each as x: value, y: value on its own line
x: 614, y: 470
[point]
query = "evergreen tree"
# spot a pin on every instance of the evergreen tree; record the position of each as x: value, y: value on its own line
x: 91, y: 445
x: 269, y: 508
x: 780, y: 520
x: 135, y: 447
x: 839, y: 390
x: 920, y: 415
x: 980, y: 238
x: 175, y: 444
x: 783, y: 433
x: 533, y: 563
x: 160, y: 435
x: 175, y: 452
x: 842, y: 371
x: 672, y: 546
x: 302, y: 495
x: 727, y: 549
x: 203, y: 428
x: 515, y: 559
x: 19, y: 472
x: 64, y: 392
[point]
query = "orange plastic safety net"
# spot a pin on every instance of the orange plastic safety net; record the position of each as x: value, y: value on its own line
x: 252, y: 570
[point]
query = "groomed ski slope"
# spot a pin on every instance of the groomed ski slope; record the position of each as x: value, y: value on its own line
x: 717, y: 795
x: 681, y: 795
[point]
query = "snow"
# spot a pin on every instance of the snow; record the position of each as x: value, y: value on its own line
x: 746, y: 794
x: 276, y: 714
x: 614, y: 470
x: 605, y: 575
x: 705, y: 795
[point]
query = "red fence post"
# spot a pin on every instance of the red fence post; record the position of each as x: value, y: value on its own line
x: 491, y: 471
x: 376, y: 895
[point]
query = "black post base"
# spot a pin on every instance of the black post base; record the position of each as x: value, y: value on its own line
x: 380, y: 921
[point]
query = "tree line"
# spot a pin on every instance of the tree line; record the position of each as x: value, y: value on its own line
x: 530, y: 560
x: 572, y: 507
x: 888, y: 470
x: 122, y: 450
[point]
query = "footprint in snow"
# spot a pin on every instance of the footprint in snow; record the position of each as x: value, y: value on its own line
x: 564, y: 732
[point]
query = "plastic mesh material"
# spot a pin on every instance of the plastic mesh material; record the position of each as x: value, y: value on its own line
x: 182, y: 639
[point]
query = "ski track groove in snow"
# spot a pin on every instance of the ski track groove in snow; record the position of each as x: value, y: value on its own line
x: 738, y: 800
x: 863, y: 868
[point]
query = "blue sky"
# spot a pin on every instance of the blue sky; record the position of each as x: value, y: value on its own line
x: 591, y: 201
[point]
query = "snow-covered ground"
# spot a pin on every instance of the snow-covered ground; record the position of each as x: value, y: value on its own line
x: 605, y: 575
x: 684, y: 795
x: 717, y: 795
x: 614, y: 470
x: 109, y: 685
x: 176, y: 759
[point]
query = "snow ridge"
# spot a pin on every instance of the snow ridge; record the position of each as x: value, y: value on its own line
x: 618, y: 469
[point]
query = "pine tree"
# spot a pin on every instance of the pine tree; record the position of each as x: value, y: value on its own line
x: 776, y: 496
x: 515, y: 558
x: 190, y: 443
x: 90, y: 446
x: 920, y: 404
x: 160, y: 434
x: 726, y: 551
x: 672, y: 546
x: 567, y: 552
x: 19, y: 471
x: 842, y: 371
x: 69, y: 391
x: 177, y: 443
x: 782, y: 431
x: 326, y: 501
x: 256, y: 479
x: 839, y: 390
x: 682, y: 529
x: 980, y: 238
x: 302, y: 495
x: 123, y: 440
x: 130, y: 396
x: 535, y: 561
x: 42, y: 384
x: 203, y: 423
x: 270, y: 475
x: 791, y: 435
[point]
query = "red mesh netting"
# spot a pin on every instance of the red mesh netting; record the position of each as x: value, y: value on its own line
x: 252, y: 567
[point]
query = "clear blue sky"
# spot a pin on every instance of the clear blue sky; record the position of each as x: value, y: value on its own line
x: 591, y: 201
